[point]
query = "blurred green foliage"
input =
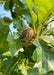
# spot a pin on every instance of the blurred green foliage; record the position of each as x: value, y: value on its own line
x: 37, y: 58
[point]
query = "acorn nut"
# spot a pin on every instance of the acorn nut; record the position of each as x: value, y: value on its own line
x: 28, y: 34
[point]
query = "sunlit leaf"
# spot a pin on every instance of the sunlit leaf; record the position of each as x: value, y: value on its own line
x: 50, y: 31
x: 48, y: 39
x: 43, y: 8
x: 30, y: 6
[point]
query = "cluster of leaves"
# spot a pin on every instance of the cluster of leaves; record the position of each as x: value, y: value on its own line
x: 37, y: 58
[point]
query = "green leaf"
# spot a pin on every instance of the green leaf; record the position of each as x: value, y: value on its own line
x: 44, y: 67
x: 6, y: 6
x: 50, y: 72
x: 16, y: 46
x: 45, y: 54
x: 36, y: 43
x: 7, y: 21
x: 19, y: 24
x: 43, y: 8
x: 4, y: 30
x: 28, y: 51
x: 37, y: 54
x: 4, y: 47
x: 48, y: 39
x: 50, y: 31
x: 47, y: 49
x: 33, y: 71
x: 28, y: 18
x: 13, y: 73
x: 8, y: 65
x: 23, y: 69
x: 30, y: 6
x: 10, y: 38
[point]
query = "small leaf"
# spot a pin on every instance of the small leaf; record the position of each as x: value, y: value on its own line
x: 43, y: 8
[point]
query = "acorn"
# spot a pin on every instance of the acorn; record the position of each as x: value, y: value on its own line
x: 28, y: 34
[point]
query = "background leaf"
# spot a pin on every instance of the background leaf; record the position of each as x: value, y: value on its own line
x: 8, y: 65
x: 16, y: 46
x: 4, y: 30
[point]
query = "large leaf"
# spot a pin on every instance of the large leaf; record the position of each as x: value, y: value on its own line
x: 4, y: 30
x: 44, y: 67
x: 35, y: 71
x: 43, y: 54
x: 48, y: 39
x: 37, y: 54
x: 47, y: 49
x: 44, y: 7
x: 30, y: 6
x: 50, y: 31
x: 7, y: 65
